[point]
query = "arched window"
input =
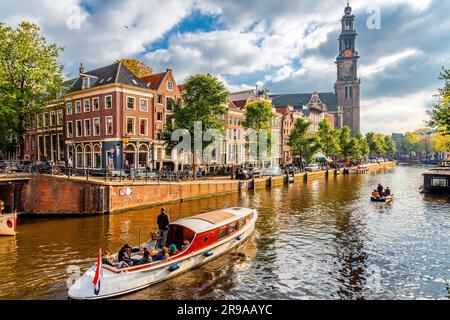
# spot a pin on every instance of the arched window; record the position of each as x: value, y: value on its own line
x: 79, y: 156
x: 97, y: 157
x: 130, y: 154
x: 143, y: 156
x: 88, y: 156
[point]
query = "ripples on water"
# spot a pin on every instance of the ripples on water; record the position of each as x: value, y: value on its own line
x: 322, y: 240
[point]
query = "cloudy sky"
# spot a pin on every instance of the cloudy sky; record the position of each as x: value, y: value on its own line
x: 287, y: 46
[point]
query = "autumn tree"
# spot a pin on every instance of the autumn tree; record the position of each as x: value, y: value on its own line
x: 139, y: 68
x: 30, y: 77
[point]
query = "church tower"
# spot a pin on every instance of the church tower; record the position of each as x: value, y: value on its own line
x: 347, y: 86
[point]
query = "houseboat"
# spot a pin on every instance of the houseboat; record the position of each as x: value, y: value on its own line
x: 210, y: 235
x: 8, y: 222
x: 437, y: 180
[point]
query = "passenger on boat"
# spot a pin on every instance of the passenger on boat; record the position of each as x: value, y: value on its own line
x: 163, y: 222
x: 173, y: 251
x: 387, y: 192
x: 145, y: 257
x: 125, y: 255
x: 110, y: 261
x: 162, y: 255
x: 186, y: 244
x: 380, y: 189
x: 375, y: 194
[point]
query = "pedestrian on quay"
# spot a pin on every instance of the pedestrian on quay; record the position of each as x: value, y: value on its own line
x: 163, y: 222
x: 69, y: 166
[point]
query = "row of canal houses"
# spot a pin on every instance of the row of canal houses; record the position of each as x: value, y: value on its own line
x: 108, y: 117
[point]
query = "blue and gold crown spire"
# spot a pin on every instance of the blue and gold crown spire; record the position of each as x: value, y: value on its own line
x: 348, y: 9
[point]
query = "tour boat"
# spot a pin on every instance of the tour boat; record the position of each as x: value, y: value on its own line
x: 387, y: 199
x: 211, y: 235
x: 8, y: 224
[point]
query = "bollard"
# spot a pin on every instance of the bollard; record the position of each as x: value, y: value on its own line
x: 305, y: 177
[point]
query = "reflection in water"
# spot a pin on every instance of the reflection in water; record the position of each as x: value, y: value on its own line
x: 319, y: 240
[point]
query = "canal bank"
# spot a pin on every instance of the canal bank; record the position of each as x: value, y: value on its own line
x: 43, y: 194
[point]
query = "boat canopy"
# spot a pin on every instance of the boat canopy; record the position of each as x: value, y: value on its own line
x: 210, y: 220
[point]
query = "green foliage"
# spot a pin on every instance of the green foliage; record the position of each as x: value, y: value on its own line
x: 344, y: 141
x: 376, y: 143
x: 303, y: 144
x: 30, y: 77
x: 258, y: 115
x: 204, y: 100
x: 410, y: 142
x: 440, y: 112
x: 389, y: 145
x: 328, y: 139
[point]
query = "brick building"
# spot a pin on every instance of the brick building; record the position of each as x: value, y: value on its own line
x: 166, y: 92
x: 109, y: 119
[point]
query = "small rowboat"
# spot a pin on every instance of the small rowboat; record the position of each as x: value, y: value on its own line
x: 211, y: 235
x: 387, y: 199
x: 8, y: 223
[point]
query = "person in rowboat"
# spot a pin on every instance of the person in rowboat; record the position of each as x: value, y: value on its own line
x: 125, y: 255
x: 387, y: 192
x: 163, y: 222
x: 380, y: 189
x: 173, y: 251
x: 145, y: 257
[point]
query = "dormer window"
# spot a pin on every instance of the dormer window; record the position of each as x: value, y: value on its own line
x: 86, y: 83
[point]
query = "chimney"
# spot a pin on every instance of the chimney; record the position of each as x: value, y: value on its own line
x: 81, y: 68
x: 168, y: 70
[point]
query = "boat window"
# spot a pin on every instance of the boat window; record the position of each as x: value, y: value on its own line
x: 252, y: 215
x: 242, y: 223
x: 233, y: 227
x: 439, y: 182
x: 222, y: 233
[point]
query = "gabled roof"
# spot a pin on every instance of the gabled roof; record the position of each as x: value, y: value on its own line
x: 114, y: 73
x: 240, y: 103
x: 154, y: 80
x: 298, y: 100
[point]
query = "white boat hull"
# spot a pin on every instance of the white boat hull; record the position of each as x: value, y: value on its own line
x: 8, y: 224
x: 113, y: 284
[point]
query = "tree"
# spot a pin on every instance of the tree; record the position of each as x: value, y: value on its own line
x: 30, y: 77
x: 204, y: 100
x: 258, y: 115
x: 328, y: 139
x: 410, y: 143
x: 139, y: 68
x: 363, y: 145
x: 440, y: 112
x: 441, y: 143
x: 344, y: 142
x: 303, y: 144
x: 376, y: 143
x: 389, y: 146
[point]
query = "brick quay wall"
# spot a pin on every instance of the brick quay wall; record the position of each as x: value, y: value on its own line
x: 44, y: 194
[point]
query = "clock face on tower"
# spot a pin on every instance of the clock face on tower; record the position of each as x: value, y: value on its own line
x: 348, y: 53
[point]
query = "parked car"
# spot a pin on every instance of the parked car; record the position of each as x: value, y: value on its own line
x: 312, y: 167
x: 291, y: 169
x: 249, y: 173
x: 272, y: 172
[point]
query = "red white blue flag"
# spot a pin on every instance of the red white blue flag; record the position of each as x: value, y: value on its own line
x: 98, y: 273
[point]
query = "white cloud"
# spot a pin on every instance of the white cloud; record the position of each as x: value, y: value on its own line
x: 368, y: 71
x: 396, y: 114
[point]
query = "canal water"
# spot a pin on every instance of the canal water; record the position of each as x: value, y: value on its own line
x: 320, y: 240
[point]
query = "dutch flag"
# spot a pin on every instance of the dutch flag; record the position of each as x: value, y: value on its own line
x: 98, y: 273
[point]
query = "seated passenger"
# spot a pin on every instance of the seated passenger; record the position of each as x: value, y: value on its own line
x: 375, y: 194
x: 145, y: 257
x: 173, y: 251
x: 387, y: 192
x: 111, y: 261
x: 186, y: 244
x: 125, y: 254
